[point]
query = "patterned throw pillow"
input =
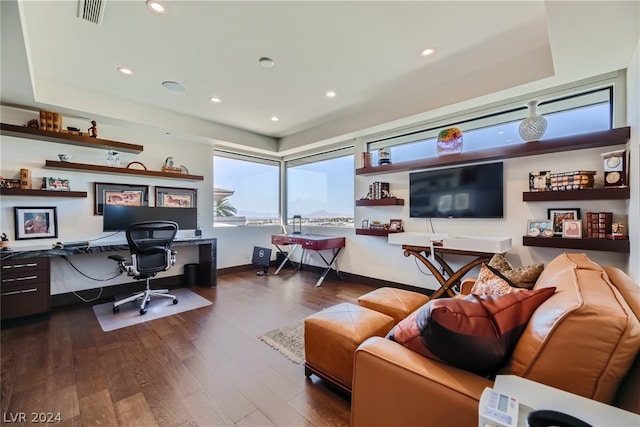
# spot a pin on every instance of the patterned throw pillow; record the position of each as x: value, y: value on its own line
x: 522, y: 277
x: 475, y: 333
x: 491, y: 282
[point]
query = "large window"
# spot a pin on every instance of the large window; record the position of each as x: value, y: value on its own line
x: 246, y: 191
x: 320, y: 189
x: 585, y: 112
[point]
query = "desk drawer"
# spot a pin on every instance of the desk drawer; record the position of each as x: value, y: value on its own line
x: 25, y: 287
x: 284, y: 240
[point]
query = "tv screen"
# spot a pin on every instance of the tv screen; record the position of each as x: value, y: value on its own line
x: 117, y: 218
x: 460, y: 192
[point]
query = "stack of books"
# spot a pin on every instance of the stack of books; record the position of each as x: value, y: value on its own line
x: 599, y: 225
x: 575, y: 180
x: 379, y: 190
x: 50, y: 121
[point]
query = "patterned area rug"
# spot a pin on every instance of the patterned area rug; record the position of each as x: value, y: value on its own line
x: 288, y: 340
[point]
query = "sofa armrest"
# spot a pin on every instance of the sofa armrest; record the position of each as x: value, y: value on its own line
x: 393, y: 385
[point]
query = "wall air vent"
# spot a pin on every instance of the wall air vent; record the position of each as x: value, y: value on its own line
x: 91, y: 10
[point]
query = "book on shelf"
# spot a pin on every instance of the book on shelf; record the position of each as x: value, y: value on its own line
x: 599, y: 224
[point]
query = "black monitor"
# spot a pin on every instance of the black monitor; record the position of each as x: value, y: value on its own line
x: 261, y: 258
x: 117, y: 218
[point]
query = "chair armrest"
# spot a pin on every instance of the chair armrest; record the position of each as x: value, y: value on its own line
x: 118, y: 258
x: 393, y: 385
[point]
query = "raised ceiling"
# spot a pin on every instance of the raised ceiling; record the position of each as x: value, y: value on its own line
x: 367, y: 52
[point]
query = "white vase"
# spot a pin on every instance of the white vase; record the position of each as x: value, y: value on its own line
x: 534, y: 126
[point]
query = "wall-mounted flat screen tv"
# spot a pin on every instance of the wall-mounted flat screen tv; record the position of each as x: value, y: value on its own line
x: 475, y: 191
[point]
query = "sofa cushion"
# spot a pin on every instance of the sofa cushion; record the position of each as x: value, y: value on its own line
x: 476, y: 333
x: 522, y: 277
x: 491, y: 282
x: 584, y: 338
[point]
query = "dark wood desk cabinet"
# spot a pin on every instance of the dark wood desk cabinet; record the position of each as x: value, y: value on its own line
x: 25, y: 287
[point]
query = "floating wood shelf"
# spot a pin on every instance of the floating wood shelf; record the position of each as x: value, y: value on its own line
x: 593, y: 194
x: 605, y: 138
x: 40, y: 193
x: 387, y: 201
x: 375, y: 232
x: 53, y: 164
x: 68, y: 138
x: 604, y: 245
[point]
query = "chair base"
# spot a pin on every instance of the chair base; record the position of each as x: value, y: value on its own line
x: 146, y: 297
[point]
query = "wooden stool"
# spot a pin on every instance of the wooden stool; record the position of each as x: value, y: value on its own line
x: 331, y: 337
x: 397, y: 303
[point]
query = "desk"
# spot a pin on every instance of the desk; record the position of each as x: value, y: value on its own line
x: 448, y: 278
x: 17, y: 297
x: 313, y: 242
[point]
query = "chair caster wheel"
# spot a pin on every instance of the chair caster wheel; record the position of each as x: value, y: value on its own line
x: 175, y: 301
x: 116, y: 309
x: 143, y: 311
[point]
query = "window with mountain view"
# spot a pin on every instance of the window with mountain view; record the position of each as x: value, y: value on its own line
x: 320, y: 190
x: 245, y: 192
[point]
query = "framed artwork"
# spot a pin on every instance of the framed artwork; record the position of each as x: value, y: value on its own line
x: 119, y: 194
x: 174, y: 197
x: 572, y: 229
x: 35, y: 223
x: 56, y: 184
x: 395, y: 224
x: 539, y: 227
x: 559, y: 215
x: 539, y: 181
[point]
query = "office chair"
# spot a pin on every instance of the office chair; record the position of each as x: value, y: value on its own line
x: 150, y: 247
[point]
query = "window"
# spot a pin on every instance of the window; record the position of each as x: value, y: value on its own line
x: 320, y: 189
x: 245, y: 192
x: 585, y: 112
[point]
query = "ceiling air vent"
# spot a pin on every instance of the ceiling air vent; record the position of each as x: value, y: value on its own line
x: 91, y: 10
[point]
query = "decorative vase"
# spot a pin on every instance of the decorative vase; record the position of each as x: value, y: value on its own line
x: 449, y: 141
x: 534, y: 126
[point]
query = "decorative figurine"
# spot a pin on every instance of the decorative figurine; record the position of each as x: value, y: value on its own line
x: 33, y: 124
x: 93, y: 130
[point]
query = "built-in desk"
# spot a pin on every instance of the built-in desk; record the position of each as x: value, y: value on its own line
x: 28, y: 255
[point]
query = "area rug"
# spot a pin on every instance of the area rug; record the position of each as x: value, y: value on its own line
x: 288, y: 340
x: 129, y: 314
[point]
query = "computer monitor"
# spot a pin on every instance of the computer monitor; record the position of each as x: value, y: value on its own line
x: 262, y: 258
x: 117, y: 218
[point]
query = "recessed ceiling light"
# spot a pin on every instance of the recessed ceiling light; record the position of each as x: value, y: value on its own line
x: 331, y: 94
x: 274, y: 119
x: 156, y: 6
x: 266, y: 62
x: 173, y: 86
x: 125, y: 70
x: 428, y: 51
x: 215, y: 99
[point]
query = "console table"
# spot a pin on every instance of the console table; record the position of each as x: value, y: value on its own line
x: 26, y: 271
x: 448, y: 278
x: 313, y: 242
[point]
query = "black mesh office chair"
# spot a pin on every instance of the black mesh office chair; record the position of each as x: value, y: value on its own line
x: 150, y: 247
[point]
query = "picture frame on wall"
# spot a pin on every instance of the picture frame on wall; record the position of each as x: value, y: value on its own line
x: 35, y: 222
x: 558, y: 215
x: 395, y: 225
x: 119, y: 194
x: 176, y: 197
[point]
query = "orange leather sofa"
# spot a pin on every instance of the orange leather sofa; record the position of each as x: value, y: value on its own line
x: 585, y: 339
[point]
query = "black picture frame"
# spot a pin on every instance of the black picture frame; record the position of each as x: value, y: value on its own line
x: 557, y: 215
x: 35, y: 222
x: 119, y: 194
x: 176, y: 197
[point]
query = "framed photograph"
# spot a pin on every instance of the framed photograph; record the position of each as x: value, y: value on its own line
x: 539, y: 181
x: 559, y: 215
x: 395, y: 225
x: 173, y: 197
x: 572, y: 229
x: 35, y: 223
x: 539, y: 227
x: 56, y: 184
x: 119, y: 194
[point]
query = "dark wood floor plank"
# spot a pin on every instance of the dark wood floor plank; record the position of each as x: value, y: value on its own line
x: 198, y: 368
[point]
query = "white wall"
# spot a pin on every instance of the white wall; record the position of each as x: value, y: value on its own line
x: 633, y: 117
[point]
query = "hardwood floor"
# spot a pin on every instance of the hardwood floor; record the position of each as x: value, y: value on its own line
x: 204, y: 367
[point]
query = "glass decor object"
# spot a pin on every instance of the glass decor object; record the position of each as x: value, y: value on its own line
x: 449, y: 141
x: 113, y: 158
x: 384, y: 157
x: 534, y: 126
